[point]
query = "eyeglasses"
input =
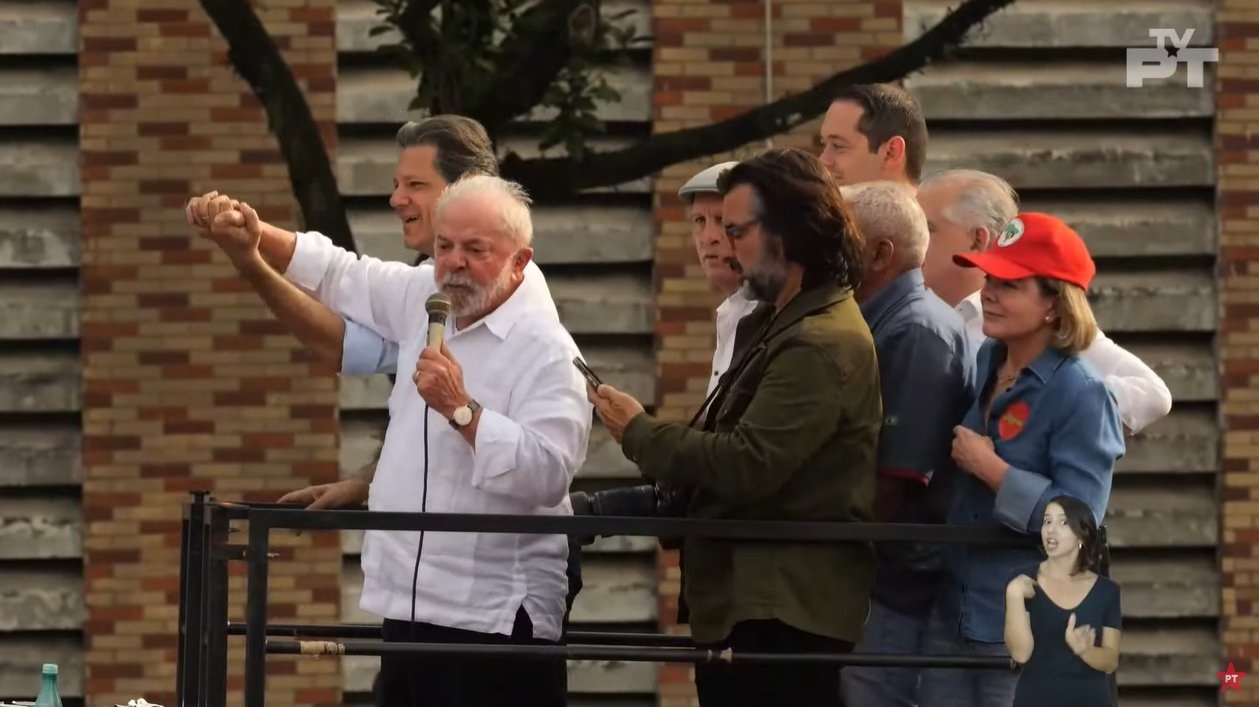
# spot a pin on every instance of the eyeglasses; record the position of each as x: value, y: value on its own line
x: 736, y: 230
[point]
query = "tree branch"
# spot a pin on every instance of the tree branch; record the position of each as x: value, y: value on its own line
x: 413, y: 25
x: 531, y: 59
x: 556, y: 176
x: 258, y: 60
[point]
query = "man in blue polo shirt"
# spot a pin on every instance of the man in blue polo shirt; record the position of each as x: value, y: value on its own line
x: 926, y: 371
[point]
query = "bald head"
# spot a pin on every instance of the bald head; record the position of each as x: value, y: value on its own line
x: 979, y: 199
x: 965, y: 210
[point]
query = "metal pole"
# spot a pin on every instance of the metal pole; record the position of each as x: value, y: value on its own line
x: 262, y: 518
x: 256, y: 614
x: 237, y: 628
x: 764, y: 532
x: 191, y: 608
x: 634, y: 654
x: 214, y: 684
x: 627, y: 638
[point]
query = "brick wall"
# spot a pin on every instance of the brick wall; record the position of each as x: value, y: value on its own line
x: 709, y: 64
x: 1237, y: 151
x: 188, y: 381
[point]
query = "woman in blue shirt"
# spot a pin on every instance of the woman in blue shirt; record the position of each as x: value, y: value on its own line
x: 1043, y: 425
x: 1062, y: 619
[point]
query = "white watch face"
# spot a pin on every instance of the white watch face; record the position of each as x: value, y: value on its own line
x: 463, y: 416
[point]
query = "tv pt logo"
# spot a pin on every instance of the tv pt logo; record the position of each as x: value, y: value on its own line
x: 1160, y: 62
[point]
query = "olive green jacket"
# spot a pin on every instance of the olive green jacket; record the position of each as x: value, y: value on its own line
x: 792, y: 437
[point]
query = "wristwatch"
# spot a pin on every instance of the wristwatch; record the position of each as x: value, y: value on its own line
x: 464, y: 414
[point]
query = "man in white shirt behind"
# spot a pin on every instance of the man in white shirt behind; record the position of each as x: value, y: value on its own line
x: 712, y: 246
x: 496, y: 421
x: 965, y: 210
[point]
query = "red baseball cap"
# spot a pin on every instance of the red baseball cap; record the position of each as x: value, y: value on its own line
x: 1035, y: 244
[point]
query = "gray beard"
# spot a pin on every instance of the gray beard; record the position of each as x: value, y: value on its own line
x: 765, y: 284
x: 470, y: 298
x: 763, y: 290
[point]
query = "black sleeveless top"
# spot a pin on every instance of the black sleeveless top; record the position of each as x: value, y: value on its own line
x: 1055, y: 675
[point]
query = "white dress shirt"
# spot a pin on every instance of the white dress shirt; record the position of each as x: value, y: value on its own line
x: 364, y: 352
x: 972, y: 312
x: 1142, y: 395
x: 531, y: 439
x: 729, y: 313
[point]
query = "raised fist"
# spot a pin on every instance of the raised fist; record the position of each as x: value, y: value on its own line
x: 201, y: 210
x: 237, y: 230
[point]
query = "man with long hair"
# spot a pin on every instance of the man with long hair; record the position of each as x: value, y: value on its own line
x: 791, y: 434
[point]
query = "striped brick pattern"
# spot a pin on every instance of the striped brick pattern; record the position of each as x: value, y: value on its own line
x: 1237, y: 116
x: 709, y: 64
x: 188, y: 381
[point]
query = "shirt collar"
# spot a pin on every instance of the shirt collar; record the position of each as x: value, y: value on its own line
x: 1043, y: 366
x: 737, y: 302
x: 521, y: 303
x: 806, y: 302
x: 971, y: 307
x: 896, y: 290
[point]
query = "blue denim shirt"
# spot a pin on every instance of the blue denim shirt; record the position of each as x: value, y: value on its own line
x: 364, y: 352
x: 1058, y: 429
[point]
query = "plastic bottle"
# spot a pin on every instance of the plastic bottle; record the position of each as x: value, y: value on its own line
x: 48, y: 696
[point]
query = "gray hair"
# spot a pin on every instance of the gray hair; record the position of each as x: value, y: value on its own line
x: 887, y: 210
x: 509, y: 199
x: 985, y: 200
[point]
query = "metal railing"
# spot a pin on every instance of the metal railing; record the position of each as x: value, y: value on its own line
x: 204, y: 624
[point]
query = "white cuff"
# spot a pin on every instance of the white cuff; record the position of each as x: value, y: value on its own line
x: 497, y: 439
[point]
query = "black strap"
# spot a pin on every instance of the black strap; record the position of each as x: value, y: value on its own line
x: 718, y: 394
x: 762, y: 337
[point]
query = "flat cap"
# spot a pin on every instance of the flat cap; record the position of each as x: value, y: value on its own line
x: 705, y: 182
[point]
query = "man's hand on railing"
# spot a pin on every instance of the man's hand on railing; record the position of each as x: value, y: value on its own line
x: 339, y: 494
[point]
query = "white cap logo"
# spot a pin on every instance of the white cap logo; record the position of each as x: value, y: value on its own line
x: 1012, y: 233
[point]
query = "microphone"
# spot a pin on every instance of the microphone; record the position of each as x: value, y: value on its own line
x: 438, y: 307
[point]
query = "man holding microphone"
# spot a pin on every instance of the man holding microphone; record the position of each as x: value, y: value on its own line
x: 494, y: 420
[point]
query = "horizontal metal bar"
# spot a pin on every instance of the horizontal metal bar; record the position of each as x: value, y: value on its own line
x: 297, y: 517
x: 663, y: 655
x: 241, y: 511
x: 237, y: 628
x: 627, y: 638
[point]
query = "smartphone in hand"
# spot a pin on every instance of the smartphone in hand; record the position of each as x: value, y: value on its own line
x: 590, y: 376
